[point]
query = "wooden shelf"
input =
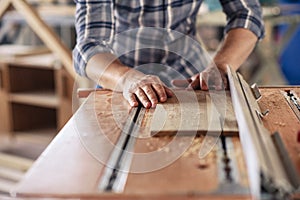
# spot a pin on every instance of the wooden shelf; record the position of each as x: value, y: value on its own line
x: 15, y: 51
x: 35, y: 93
x: 40, y: 61
x: 46, y: 99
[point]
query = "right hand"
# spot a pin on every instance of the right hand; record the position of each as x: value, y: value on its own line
x: 147, y: 89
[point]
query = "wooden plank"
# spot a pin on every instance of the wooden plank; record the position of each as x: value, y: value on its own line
x: 39, y: 61
x: 15, y: 162
x: 5, y: 114
x: 191, y: 113
x: 46, y: 99
x: 11, y: 51
x: 11, y: 174
x: 57, y: 10
x: 221, y: 104
x: 6, y: 185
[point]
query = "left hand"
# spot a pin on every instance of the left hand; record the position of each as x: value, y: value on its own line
x: 211, y: 78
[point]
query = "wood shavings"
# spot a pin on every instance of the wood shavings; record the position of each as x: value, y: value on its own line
x: 194, y: 148
x: 280, y: 124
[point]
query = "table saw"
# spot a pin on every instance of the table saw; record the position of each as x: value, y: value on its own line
x: 235, y: 144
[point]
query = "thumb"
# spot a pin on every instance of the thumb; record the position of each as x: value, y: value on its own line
x: 203, y: 81
x: 181, y: 83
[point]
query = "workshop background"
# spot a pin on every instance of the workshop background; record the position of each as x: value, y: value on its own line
x: 36, y: 78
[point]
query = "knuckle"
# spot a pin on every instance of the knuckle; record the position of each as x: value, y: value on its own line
x: 148, y: 90
x: 153, y: 78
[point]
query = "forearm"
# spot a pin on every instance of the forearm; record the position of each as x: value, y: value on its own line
x: 235, y: 49
x: 106, y: 70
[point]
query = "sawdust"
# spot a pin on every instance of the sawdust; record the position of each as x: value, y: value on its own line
x: 282, y: 119
x: 280, y: 124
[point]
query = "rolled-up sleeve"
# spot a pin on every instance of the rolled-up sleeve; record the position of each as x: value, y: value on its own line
x: 244, y: 14
x: 94, y: 25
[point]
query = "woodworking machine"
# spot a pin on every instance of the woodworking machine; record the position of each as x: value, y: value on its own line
x: 197, y: 145
x: 270, y: 172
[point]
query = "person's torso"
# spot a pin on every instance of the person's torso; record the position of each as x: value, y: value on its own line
x: 179, y: 15
x: 158, y: 36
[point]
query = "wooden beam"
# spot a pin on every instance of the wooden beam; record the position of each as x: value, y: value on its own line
x: 46, y: 34
x: 11, y: 174
x: 15, y: 162
x: 4, y: 6
x: 6, y: 185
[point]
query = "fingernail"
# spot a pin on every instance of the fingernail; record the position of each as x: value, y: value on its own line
x: 162, y: 99
x: 134, y: 104
x: 148, y: 105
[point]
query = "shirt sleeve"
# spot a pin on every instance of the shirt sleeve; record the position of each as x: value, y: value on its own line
x: 94, y: 23
x: 244, y: 14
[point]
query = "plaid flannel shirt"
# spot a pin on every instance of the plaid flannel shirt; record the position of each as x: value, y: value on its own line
x: 123, y: 27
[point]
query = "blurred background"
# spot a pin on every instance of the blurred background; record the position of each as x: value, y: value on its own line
x: 36, y: 76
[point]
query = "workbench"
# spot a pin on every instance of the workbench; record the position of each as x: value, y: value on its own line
x: 74, y: 163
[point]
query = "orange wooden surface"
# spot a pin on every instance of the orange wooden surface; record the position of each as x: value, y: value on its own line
x: 70, y: 166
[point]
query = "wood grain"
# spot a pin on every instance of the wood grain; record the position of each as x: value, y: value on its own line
x: 180, y: 177
x: 184, y: 172
x: 186, y: 178
x: 191, y: 113
x: 72, y: 164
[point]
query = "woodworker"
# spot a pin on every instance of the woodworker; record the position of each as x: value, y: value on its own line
x: 133, y: 46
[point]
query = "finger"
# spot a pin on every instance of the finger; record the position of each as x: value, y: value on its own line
x: 181, y: 83
x: 151, y: 95
x: 130, y: 97
x: 160, y: 91
x: 219, y: 83
x: 195, y: 84
x: 203, y: 81
x: 226, y: 83
x: 169, y: 92
x: 143, y: 98
x: 133, y: 101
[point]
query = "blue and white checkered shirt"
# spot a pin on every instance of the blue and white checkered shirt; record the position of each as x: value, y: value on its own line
x: 152, y: 35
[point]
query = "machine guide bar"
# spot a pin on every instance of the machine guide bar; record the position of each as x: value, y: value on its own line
x: 118, y: 165
x: 266, y: 169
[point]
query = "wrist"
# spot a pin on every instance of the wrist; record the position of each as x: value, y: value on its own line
x: 222, y: 66
x: 128, y: 76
